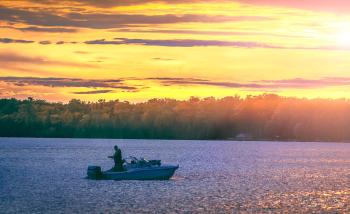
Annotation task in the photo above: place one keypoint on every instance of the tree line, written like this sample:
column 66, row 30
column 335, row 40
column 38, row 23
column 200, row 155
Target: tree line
column 263, row 117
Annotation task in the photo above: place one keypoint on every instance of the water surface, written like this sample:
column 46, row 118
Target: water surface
column 47, row 176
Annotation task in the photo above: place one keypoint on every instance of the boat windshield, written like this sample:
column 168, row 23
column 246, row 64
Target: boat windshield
column 131, row 160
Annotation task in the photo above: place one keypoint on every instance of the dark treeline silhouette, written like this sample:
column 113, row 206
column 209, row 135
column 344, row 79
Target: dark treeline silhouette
column 264, row 117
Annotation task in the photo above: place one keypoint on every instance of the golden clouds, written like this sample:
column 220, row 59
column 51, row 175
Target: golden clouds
column 221, row 42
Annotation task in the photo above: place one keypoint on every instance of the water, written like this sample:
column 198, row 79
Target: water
column 47, row 176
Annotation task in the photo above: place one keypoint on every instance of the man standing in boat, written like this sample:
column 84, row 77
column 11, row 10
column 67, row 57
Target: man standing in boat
column 118, row 161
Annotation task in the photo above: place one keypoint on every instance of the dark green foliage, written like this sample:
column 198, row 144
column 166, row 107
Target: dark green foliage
column 267, row 117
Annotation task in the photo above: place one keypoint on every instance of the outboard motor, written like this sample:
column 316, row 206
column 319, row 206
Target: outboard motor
column 94, row 172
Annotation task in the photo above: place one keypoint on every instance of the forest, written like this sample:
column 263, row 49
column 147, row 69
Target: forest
column 263, row 117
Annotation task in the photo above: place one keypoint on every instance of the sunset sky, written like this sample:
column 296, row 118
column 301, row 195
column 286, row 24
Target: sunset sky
column 137, row 50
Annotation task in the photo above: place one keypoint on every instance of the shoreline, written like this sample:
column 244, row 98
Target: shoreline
column 147, row 139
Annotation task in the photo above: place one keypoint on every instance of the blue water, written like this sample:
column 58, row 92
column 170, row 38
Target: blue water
column 47, row 176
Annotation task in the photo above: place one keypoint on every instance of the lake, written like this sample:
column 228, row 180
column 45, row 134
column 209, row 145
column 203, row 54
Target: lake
column 47, row 176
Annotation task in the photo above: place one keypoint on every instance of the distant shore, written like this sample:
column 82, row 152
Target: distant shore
column 255, row 118
column 149, row 139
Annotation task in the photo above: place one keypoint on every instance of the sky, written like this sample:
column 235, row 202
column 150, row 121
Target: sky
column 135, row 50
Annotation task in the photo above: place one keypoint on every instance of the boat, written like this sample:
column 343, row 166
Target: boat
column 135, row 169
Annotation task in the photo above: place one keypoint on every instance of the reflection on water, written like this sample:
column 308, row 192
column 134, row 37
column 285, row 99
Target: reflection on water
column 47, row 176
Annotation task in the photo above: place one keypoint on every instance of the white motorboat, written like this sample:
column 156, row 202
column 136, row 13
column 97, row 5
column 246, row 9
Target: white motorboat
column 135, row 169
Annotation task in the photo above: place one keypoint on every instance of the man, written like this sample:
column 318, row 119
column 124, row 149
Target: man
column 118, row 161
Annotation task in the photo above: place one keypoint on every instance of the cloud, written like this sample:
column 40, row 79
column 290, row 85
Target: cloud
column 45, row 42
column 180, row 43
column 104, row 21
column 96, row 3
column 117, row 3
column 8, row 58
column 110, row 85
column 296, row 83
column 9, row 40
column 162, row 59
column 93, row 92
column 308, row 83
column 67, row 82
column 314, row 5
column 186, row 43
column 43, row 29
column 170, row 82
column 206, row 43
column 338, row 6
column 174, row 79
column 16, row 58
column 82, row 52
column 206, row 32
column 64, row 42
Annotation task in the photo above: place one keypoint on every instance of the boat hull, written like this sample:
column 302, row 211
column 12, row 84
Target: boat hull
column 147, row 173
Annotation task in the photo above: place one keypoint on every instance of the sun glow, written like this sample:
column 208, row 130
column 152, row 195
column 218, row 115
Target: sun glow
column 342, row 35
column 343, row 38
